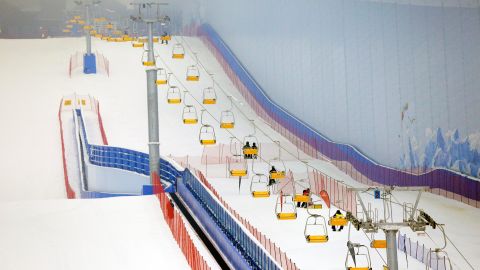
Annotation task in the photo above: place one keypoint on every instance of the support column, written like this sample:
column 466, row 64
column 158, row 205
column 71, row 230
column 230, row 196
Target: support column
column 392, row 259
column 153, row 133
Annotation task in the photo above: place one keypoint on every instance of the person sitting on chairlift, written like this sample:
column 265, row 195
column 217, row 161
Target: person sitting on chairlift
column 254, row 146
column 306, row 192
column 247, row 146
column 337, row 214
column 164, row 39
column 271, row 180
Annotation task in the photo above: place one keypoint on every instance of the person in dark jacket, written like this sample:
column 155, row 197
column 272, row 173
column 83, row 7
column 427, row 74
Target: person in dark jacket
column 271, row 180
column 245, row 147
column 337, row 214
column 254, row 146
column 164, row 38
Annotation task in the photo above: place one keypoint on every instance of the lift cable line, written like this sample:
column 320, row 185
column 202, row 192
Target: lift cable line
column 266, row 135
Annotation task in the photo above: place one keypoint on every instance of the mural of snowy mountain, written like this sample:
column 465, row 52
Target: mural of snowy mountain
column 447, row 150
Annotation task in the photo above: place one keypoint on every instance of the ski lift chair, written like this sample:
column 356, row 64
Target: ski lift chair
column 193, row 74
column 299, row 197
column 280, row 167
column 173, row 95
column 316, row 229
column 338, row 221
column 227, row 119
column 354, row 253
column 145, row 60
column 189, row 115
column 238, row 169
column 259, row 186
column 285, row 208
column 209, row 96
column 250, row 152
column 178, row 52
column 161, row 76
column 207, row 135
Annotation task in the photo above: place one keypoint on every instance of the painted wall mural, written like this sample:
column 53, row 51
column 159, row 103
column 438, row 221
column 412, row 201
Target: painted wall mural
column 396, row 79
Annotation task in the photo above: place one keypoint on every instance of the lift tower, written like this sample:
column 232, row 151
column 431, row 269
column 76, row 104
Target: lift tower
column 89, row 60
column 388, row 225
column 152, row 96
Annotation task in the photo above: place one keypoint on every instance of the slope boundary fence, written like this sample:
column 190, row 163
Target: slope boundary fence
column 347, row 158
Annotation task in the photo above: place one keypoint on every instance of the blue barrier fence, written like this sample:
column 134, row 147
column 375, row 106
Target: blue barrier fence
column 447, row 180
column 240, row 249
column 219, row 220
column 124, row 159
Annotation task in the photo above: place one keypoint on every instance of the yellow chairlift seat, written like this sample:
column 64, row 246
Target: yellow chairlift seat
column 227, row 125
column 142, row 39
column 178, row 52
column 127, row 38
column 93, row 32
column 117, row 32
column 98, row 35
column 190, row 121
column 209, row 101
column 72, row 21
column 378, row 244
column 66, row 31
column 174, row 100
column 208, row 142
column 105, row 38
column 277, row 175
column 261, row 194
column 193, row 78
column 338, row 221
column 110, row 39
column 166, row 38
column 87, row 27
column 286, row 216
column 238, row 172
column 250, row 151
column 317, row 238
column 316, row 206
column 119, row 39
column 109, row 26
column 301, row 198
column 81, row 22
column 137, row 44
column 77, row 17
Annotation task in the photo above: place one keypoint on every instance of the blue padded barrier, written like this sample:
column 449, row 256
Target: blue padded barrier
column 217, row 220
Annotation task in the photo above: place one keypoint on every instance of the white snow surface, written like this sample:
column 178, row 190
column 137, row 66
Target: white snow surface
column 123, row 107
column 116, row 233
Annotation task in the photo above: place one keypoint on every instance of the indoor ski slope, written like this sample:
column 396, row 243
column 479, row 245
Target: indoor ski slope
column 123, row 106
